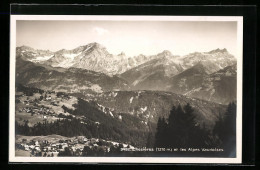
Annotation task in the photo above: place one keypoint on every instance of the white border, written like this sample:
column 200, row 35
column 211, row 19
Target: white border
column 12, row 158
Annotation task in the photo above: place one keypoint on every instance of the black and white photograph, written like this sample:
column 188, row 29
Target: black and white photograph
column 138, row 89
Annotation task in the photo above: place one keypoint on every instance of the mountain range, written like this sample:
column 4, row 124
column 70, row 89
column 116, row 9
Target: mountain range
column 148, row 106
column 92, row 69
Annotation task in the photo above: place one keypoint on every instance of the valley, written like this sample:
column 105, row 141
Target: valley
column 95, row 94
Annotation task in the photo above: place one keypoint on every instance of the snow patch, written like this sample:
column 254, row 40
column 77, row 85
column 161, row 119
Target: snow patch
column 41, row 58
column 192, row 91
column 135, row 82
column 143, row 109
column 96, row 88
column 87, row 48
column 131, row 99
column 114, row 94
column 111, row 114
column 71, row 56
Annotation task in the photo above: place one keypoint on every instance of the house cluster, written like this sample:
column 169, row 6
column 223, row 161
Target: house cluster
column 33, row 106
column 52, row 149
column 40, row 111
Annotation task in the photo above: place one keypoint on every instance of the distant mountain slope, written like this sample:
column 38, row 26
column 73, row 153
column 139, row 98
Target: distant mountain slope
column 89, row 118
column 180, row 74
column 149, row 105
column 200, row 81
column 154, row 74
column 216, row 59
column 220, row 87
column 191, row 78
column 71, row 80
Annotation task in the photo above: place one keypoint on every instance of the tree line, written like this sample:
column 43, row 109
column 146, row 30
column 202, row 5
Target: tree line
column 180, row 129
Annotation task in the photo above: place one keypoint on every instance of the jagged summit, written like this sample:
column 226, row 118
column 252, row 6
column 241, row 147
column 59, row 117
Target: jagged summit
column 24, row 47
column 121, row 54
column 95, row 57
column 163, row 71
column 165, row 53
column 93, row 45
column 224, row 50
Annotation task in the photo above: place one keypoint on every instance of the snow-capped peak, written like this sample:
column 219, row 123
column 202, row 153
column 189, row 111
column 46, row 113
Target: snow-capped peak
column 95, row 57
column 224, row 50
column 165, row 53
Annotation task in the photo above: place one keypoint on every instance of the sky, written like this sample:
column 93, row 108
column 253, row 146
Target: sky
column 131, row 37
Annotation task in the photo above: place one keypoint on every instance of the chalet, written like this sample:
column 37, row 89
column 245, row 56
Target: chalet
column 82, row 139
column 44, row 142
column 94, row 140
column 55, row 153
column 75, row 141
column 32, row 146
column 65, row 145
column 26, row 147
column 115, row 143
column 73, row 148
column 125, row 145
column 34, row 142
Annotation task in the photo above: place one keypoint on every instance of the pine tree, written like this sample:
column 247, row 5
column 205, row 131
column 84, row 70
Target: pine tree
column 175, row 130
column 160, row 137
column 158, row 133
column 181, row 130
column 149, row 142
column 225, row 129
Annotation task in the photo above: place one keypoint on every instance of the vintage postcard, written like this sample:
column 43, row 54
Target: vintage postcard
column 125, row 89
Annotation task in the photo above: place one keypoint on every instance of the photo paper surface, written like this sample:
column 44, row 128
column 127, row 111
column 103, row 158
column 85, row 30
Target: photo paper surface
column 125, row 89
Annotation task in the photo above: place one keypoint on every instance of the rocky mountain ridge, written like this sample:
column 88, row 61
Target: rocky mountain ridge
column 95, row 57
column 92, row 69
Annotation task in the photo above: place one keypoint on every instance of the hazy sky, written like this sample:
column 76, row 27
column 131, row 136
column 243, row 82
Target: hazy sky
column 131, row 37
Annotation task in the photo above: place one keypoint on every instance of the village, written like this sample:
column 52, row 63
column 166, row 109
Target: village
column 55, row 145
column 43, row 106
column 48, row 106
